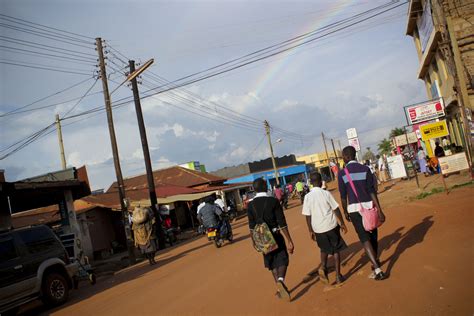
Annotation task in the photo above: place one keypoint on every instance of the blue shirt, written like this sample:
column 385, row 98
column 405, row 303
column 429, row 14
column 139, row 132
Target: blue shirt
column 364, row 184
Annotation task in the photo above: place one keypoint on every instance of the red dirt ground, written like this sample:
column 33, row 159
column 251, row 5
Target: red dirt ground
column 427, row 250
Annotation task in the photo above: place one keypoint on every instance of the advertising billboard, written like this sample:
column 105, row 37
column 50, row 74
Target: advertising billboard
column 425, row 111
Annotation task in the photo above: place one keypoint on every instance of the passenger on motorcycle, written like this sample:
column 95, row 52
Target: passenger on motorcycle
column 210, row 214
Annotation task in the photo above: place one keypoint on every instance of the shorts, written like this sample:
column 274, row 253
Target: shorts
column 331, row 241
column 278, row 257
column 364, row 235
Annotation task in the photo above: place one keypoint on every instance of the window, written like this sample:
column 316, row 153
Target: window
column 37, row 240
column 436, row 71
column 7, row 250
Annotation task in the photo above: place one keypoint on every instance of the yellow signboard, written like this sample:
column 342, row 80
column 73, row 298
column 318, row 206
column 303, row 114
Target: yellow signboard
column 434, row 130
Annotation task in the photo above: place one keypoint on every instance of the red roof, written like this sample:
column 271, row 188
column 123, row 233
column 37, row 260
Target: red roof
column 174, row 176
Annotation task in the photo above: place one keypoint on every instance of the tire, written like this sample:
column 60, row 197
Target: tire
column 217, row 243
column 55, row 289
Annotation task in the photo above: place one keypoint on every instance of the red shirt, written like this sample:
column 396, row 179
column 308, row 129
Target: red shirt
column 278, row 193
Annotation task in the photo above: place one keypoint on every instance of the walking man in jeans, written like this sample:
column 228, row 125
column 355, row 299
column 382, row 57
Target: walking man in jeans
column 364, row 185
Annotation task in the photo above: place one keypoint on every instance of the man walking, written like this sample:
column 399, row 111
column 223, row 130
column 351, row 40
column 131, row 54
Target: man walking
column 382, row 170
column 365, row 197
column 325, row 222
column 267, row 209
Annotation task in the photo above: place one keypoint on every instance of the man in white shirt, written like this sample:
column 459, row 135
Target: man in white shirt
column 325, row 221
column 382, row 170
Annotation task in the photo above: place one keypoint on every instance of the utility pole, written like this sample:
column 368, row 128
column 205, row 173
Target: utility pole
column 267, row 130
column 146, row 155
column 115, row 153
column 60, row 140
column 335, row 153
column 327, row 155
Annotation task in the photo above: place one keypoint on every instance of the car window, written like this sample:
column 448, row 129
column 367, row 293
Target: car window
column 7, row 250
column 37, row 240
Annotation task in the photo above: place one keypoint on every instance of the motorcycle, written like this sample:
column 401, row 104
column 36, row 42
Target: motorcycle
column 170, row 231
column 219, row 234
column 231, row 210
column 303, row 193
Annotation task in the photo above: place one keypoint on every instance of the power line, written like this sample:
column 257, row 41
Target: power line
column 251, row 61
column 43, row 46
column 46, row 97
column 83, row 59
column 253, row 150
column 44, row 26
column 41, row 31
column 51, row 37
column 42, row 65
column 82, row 98
column 45, row 68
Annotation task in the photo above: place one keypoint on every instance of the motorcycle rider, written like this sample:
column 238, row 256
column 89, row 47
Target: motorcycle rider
column 211, row 215
column 225, row 213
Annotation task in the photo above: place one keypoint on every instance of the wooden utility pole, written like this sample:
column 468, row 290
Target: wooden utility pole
column 115, row 153
column 146, row 155
column 327, row 155
column 267, row 130
column 60, row 140
column 335, row 153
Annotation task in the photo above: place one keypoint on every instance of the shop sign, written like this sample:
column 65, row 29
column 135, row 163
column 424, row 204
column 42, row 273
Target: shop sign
column 424, row 111
column 453, row 163
column 401, row 140
column 396, row 167
column 354, row 142
column 351, row 133
column 434, row 130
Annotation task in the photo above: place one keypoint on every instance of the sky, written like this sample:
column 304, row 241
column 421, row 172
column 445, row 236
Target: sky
column 357, row 78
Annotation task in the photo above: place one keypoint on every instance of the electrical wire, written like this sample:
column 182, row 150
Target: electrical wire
column 51, row 37
column 42, row 46
column 83, row 59
column 44, row 26
column 82, row 98
column 45, row 68
column 46, row 97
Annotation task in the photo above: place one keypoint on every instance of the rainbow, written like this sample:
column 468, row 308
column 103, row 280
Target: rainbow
column 273, row 68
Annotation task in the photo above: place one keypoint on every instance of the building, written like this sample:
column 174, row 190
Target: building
column 289, row 170
column 320, row 162
column 443, row 33
column 179, row 189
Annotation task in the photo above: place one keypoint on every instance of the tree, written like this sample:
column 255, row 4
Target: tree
column 369, row 155
column 385, row 146
column 397, row 131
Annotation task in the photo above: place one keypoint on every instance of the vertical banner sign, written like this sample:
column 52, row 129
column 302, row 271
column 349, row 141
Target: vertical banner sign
column 351, row 133
column 354, row 142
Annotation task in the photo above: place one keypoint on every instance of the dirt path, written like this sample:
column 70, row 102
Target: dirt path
column 427, row 251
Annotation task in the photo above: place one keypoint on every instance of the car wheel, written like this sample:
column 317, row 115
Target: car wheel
column 55, row 289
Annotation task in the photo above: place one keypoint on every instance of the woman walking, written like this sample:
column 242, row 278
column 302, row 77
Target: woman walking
column 144, row 232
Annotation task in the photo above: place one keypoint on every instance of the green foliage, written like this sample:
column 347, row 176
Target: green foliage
column 397, row 131
column 428, row 193
column 385, row 146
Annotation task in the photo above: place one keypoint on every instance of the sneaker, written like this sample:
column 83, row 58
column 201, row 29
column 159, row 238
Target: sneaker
column 323, row 276
column 283, row 291
column 380, row 276
column 340, row 279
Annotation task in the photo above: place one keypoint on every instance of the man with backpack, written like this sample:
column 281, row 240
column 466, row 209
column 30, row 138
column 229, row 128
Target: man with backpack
column 357, row 190
column 268, row 226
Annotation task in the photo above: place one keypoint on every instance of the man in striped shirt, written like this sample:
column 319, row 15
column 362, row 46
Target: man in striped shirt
column 366, row 197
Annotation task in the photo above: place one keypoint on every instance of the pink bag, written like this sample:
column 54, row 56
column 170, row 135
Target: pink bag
column 370, row 216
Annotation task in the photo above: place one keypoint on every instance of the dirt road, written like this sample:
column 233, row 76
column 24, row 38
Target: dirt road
column 427, row 251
